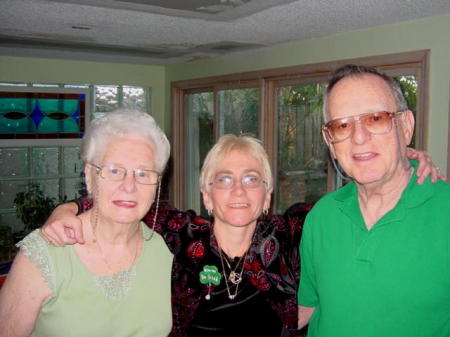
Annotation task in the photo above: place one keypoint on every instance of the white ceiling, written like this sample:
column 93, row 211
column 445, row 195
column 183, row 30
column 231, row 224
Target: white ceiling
column 164, row 32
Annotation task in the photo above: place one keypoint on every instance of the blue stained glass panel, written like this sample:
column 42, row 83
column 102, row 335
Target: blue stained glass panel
column 41, row 115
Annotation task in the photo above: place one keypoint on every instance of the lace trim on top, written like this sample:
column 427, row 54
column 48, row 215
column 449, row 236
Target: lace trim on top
column 118, row 285
column 35, row 248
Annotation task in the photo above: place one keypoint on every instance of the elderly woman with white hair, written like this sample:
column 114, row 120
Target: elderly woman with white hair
column 101, row 287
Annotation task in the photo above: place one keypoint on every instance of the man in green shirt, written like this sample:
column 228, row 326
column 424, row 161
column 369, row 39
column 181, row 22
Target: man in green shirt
column 375, row 254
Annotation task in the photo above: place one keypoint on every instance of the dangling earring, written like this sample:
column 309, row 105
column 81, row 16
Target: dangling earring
column 265, row 212
column 210, row 212
column 157, row 207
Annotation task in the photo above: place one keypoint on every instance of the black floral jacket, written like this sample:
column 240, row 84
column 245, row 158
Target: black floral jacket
column 272, row 264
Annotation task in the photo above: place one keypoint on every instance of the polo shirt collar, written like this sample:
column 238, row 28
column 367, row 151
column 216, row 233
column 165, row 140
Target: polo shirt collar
column 413, row 196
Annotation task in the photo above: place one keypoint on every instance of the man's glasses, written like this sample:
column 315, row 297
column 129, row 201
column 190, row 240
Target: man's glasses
column 377, row 123
column 226, row 182
column 117, row 173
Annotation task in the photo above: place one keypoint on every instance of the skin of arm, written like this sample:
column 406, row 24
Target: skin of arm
column 304, row 315
column 21, row 298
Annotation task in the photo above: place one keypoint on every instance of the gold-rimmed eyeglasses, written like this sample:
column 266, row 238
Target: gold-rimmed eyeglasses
column 117, row 173
column 376, row 123
column 226, row 182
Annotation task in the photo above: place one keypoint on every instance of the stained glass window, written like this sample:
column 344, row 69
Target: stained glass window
column 34, row 115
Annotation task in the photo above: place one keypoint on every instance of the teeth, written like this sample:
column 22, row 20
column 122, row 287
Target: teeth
column 129, row 203
column 363, row 155
column 238, row 205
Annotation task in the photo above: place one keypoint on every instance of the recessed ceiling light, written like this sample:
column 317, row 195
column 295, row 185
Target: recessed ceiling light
column 81, row 27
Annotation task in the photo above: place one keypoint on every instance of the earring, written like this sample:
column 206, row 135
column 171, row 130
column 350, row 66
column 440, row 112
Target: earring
column 210, row 212
column 265, row 212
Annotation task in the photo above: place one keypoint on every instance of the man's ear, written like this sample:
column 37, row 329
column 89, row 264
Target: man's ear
column 329, row 144
column 408, row 123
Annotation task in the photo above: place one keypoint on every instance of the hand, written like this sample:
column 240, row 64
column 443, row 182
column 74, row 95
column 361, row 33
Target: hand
column 426, row 166
column 63, row 227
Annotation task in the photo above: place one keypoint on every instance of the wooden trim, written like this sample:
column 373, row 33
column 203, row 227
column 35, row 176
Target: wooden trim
column 416, row 62
column 309, row 70
column 176, row 188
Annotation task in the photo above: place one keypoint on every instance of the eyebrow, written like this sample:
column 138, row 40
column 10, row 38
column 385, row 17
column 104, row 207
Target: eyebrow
column 232, row 173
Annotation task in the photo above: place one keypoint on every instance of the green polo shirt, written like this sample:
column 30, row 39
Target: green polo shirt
column 391, row 281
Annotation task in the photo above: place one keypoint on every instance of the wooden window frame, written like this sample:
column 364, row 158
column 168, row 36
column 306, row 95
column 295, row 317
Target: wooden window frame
column 415, row 62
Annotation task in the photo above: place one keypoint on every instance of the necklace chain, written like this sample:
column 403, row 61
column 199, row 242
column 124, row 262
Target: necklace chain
column 102, row 253
column 233, row 277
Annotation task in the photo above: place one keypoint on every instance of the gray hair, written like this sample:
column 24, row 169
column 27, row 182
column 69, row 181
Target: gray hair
column 227, row 143
column 121, row 123
column 352, row 70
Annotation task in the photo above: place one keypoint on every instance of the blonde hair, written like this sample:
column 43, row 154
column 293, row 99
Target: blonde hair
column 224, row 146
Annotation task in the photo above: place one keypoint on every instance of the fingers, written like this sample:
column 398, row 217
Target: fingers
column 58, row 233
column 44, row 236
column 436, row 174
column 75, row 232
column 425, row 167
column 412, row 153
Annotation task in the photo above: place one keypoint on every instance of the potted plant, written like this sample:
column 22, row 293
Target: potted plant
column 33, row 207
column 7, row 244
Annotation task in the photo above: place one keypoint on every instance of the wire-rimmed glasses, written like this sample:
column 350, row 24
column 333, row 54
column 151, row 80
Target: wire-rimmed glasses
column 117, row 173
column 376, row 123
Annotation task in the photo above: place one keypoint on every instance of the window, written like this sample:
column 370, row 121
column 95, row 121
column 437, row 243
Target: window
column 237, row 113
column 302, row 156
column 283, row 107
column 55, row 165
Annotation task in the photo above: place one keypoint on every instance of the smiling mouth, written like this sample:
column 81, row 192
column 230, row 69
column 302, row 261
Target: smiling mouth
column 364, row 156
column 238, row 205
column 125, row 203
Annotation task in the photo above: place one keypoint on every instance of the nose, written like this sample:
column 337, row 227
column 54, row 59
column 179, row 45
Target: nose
column 238, row 188
column 360, row 135
column 129, row 182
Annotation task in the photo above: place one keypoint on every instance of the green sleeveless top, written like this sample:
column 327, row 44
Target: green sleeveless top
column 135, row 302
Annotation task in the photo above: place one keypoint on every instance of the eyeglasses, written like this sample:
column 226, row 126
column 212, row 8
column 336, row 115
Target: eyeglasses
column 377, row 123
column 226, row 182
column 117, row 173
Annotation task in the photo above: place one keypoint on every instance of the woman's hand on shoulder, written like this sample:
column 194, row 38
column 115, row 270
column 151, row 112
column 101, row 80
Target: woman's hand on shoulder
column 63, row 227
column 426, row 166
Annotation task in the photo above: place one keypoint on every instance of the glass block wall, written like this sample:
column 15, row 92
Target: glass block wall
column 57, row 169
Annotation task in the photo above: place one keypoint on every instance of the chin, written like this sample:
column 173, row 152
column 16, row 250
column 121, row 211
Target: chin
column 242, row 222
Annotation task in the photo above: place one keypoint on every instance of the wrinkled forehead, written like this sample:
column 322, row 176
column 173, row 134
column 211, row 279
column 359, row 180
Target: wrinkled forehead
column 356, row 95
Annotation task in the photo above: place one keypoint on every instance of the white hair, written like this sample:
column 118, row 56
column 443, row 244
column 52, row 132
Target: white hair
column 121, row 123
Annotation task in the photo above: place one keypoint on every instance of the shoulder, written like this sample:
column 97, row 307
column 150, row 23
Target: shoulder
column 35, row 251
column 442, row 189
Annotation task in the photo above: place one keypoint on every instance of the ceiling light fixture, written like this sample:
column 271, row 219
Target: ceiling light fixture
column 81, row 27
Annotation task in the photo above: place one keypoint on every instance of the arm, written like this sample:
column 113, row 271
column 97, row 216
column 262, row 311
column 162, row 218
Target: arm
column 426, row 166
column 21, row 298
column 304, row 315
column 63, row 226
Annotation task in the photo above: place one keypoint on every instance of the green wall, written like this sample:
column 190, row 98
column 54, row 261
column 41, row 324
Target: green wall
column 432, row 34
column 18, row 69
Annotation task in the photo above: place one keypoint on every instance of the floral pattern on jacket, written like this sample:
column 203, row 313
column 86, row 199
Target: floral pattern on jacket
column 272, row 264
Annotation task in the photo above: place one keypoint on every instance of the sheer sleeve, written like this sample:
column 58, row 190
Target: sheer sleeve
column 36, row 249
